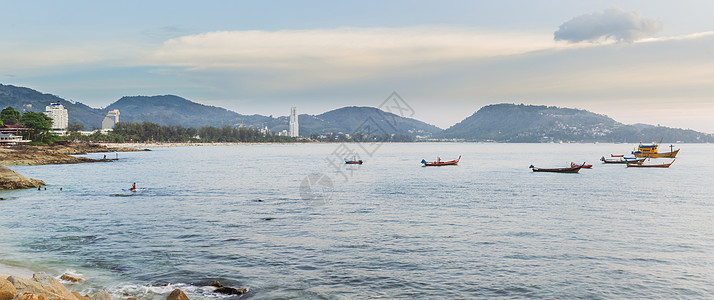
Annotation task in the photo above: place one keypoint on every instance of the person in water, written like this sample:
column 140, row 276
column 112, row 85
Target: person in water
column 133, row 187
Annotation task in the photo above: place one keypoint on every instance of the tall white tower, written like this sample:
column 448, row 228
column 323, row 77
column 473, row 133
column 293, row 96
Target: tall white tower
column 294, row 128
column 59, row 116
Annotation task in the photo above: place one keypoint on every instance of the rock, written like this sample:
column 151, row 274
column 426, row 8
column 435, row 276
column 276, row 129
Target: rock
column 101, row 295
column 52, row 285
column 216, row 284
column 230, row 291
column 27, row 296
column 177, row 295
column 79, row 296
column 11, row 180
column 7, row 290
column 132, row 298
column 26, row 285
column 70, row 278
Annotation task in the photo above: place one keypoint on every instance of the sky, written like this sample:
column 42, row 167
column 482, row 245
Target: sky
column 636, row 61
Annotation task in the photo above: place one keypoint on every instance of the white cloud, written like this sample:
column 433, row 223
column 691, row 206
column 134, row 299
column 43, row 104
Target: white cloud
column 615, row 23
column 339, row 55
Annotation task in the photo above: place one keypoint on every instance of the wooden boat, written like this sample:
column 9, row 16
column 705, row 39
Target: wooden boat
column 575, row 169
column 441, row 163
column 621, row 159
column 643, row 165
column 584, row 166
column 617, row 155
column 651, row 151
column 613, row 160
column 353, row 162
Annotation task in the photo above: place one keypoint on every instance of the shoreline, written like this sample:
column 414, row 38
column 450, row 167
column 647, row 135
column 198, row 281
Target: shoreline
column 8, row 270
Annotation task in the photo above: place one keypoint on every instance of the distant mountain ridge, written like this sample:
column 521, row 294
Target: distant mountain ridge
column 496, row 122
column 175, row 110
column 537, row 124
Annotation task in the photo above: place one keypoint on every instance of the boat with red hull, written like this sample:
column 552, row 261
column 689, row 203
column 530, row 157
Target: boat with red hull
column 644, row 165
column 441, row 163
column 572, row 165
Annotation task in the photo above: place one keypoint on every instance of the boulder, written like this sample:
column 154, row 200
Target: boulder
column 7, row 290
column 52, row 285
column 177, row 295
column 71, row 278
column 28, row 296
column 101, row 295
column 79, row 296
column 230, row 291
column 11, row 180
column 216, row 284
column 26, row 285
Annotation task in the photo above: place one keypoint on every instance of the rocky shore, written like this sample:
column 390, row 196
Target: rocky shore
column 11, row 180
column 55, row 154
column 45, row 287
column 46, row 155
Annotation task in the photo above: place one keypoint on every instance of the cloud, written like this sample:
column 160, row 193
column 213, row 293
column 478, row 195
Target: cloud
column 297, row 60
column 615, row 23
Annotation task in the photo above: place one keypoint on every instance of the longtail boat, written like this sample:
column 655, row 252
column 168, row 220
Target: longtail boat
column 613, row 160
column 575, row 169
column 438, row 162
column 643, row 165
column 621, row 160
column 584, row 166
column 353, row 162
column 617, row 155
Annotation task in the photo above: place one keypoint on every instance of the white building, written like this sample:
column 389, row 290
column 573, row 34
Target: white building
column 110, row 120
column 294, row 128
column 59, row 115
column 11, row 139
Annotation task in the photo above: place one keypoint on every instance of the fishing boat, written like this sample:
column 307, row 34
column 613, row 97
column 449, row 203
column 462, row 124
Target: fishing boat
column 353, row 162
column 632, row 160
column 438, row 162
column 613, row 160
column 575, row 169
column 651, row 151
column 621, row 159
column 644, row 165
column 585, row 166
column 617, row 155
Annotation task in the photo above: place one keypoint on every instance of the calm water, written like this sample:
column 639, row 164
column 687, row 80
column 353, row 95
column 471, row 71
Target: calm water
column 392, row 229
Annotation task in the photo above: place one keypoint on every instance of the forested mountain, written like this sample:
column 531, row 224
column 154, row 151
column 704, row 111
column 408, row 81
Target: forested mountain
column 353, row 118
column 534, row 124
column 497, row 122
column 25, row 99
column 174, row 110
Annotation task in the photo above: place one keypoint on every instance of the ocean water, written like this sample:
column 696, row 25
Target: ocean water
column 253, row 216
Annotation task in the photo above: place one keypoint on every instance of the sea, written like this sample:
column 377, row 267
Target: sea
column 292, row 221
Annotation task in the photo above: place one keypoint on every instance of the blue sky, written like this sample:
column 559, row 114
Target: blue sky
column 636, row 61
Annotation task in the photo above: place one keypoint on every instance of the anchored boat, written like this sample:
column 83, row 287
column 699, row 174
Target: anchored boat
column 648, row 165
column 575, row 169
column 651, row 151
column 438, row 162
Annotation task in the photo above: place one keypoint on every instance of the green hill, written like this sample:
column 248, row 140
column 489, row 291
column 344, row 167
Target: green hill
column 25, row 99
column 535, row 124
column 172, row 110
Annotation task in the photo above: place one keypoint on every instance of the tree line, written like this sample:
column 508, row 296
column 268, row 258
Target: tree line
column 146, row 131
